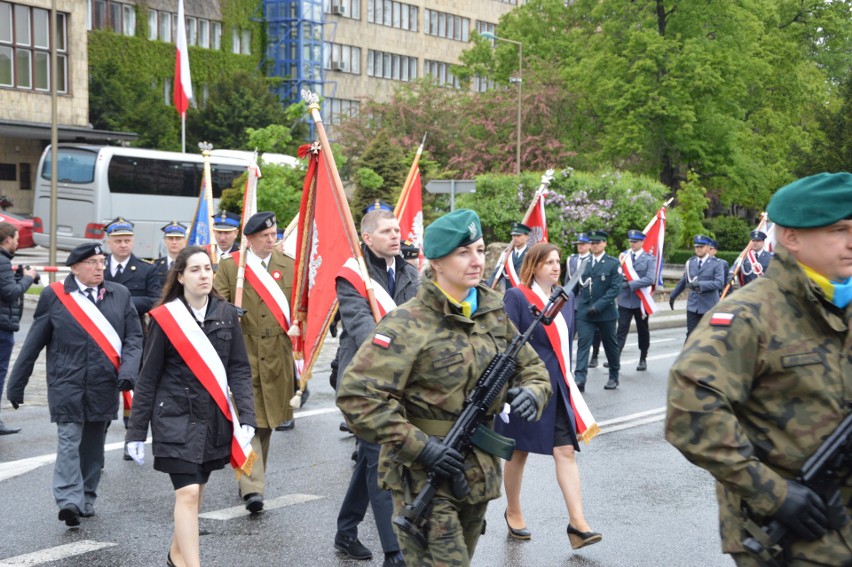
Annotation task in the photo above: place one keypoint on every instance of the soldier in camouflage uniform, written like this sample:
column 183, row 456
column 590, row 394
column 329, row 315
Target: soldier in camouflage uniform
column 408, row 382
column 766, row 376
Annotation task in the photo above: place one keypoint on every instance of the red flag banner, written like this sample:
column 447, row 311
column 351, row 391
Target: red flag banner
column 410, row 215
column 183, row 81
column 655, row 239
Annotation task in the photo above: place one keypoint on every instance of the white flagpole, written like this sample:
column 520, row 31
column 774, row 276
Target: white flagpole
column 183, row 132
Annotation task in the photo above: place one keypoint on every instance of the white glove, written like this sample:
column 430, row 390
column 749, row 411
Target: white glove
column 136, row 450
column 248, row 429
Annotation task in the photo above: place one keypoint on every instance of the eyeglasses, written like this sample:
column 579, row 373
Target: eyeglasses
column 94, row 263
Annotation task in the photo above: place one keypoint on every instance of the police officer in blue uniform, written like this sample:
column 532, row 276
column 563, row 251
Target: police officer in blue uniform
column 751, row 273
column 705, row 278
column 629, row 304
column 124, row 268
column 712, row 248
column 599, row 287
column 226, row 226
column 174, row 238
column 520, row 236
column 572, row 264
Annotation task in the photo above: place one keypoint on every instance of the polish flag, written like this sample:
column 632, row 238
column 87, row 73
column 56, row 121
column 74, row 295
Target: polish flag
column 183, row 81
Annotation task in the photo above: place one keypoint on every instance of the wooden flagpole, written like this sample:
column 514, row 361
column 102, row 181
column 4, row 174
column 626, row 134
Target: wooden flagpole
column 248, row 197
column 208, row 193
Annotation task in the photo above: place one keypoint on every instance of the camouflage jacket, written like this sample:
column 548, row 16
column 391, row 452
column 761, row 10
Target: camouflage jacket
column 419, row 364
column 761, row 382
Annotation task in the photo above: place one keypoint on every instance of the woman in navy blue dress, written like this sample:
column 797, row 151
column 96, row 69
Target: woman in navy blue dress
column 556, row 433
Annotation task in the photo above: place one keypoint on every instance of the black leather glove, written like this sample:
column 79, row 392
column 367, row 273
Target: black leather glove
column 523, row 403
column 125, row 385
column 441, row 459
column 592, row 311
column 836, row 510
column 803, row 512
column 16, row 403
column 695, row 287
column 671, row 302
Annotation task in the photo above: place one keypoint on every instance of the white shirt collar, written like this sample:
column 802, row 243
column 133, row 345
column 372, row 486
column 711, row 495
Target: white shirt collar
column 637, row 254
column 83, row 287
column 266, row 259
column 200, row 313
column 598, row 258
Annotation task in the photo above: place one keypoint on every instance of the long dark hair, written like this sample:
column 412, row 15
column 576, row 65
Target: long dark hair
column 173, row 288
column 535, row 257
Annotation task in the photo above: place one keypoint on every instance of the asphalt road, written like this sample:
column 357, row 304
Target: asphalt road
column 652, row 507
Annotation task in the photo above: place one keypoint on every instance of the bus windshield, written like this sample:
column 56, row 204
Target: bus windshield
column 75, row 165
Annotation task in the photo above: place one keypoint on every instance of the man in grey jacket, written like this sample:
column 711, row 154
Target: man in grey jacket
column 643, row 267
column 13, row 284
column 395, row 282
column 705, row 278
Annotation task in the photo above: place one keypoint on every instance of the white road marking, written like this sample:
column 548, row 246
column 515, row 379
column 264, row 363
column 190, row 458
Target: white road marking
column 240, row 511
column 55, row 553
column 653, row 342
column 632, row 424
column 655, row 357
column 632, row 416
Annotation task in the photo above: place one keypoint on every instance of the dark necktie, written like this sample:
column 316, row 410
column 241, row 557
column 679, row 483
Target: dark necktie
column 263, row 263
column 391, row 281
column 118, row 271
column 632, row 257
column 699, row 263
column 90, row 294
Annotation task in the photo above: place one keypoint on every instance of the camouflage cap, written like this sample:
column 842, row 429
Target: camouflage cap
column 458, row 228
column 812, row 202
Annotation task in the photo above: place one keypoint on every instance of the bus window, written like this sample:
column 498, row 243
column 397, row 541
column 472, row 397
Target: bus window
column 75, row 165
column 145, row 176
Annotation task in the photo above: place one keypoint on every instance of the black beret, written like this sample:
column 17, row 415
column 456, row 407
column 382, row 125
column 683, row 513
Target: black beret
column 83, row 252
column 458, row 228
column 812, row 202
column 259, row 222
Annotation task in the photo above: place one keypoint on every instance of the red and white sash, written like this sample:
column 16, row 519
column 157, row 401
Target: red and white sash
column 352, row 274
column 756, row 266
column 88, row 316
column 509, row 268
column 646, row 299
column 203, row 361
column 266, row 287
column 560, row 341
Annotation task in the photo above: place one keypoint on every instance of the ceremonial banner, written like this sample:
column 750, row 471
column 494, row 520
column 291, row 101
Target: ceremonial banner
column 655, row 238
column 409, row 208
column 183, row 80
column 199, row 232
column 737, row 268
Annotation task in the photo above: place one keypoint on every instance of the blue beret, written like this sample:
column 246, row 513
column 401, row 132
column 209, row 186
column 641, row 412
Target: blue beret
column 377, row 206
column 812, row 202
column 84, row 251
column 458, row 228
column 226, row 220
column 757, row 235
column 598, row 236
column 259, row 222
column 702, row 240
column 635, row 235
column 582, row 238
column 119, row 226
column 520, row 228
column 174, row 228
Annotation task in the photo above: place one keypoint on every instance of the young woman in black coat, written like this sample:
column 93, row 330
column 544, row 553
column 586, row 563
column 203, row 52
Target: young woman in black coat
column 192, row 436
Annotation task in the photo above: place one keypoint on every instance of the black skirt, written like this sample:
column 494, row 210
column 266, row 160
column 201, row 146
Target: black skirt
column 183, row 473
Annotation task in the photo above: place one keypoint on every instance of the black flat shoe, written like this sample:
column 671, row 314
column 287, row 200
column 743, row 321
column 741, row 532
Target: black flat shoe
column 580, row 539
column 522, row 533
column 169, row 562
column 70, row 514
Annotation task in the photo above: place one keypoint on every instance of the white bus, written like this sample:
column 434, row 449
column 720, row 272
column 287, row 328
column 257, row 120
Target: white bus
column 147, row 187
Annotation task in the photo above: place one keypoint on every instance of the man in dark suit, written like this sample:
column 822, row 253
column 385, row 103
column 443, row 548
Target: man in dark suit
column 174, row 238
column 124, row 268
column 596, row 310
column 751, row 273
column 704, row 277
column 520, row 236
column 572, row 264
column 643, row 265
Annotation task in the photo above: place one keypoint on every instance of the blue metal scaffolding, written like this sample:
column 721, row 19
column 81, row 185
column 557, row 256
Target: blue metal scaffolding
column 294, row 49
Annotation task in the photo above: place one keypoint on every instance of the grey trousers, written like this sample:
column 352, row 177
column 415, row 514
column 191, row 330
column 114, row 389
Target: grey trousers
column 79, row 460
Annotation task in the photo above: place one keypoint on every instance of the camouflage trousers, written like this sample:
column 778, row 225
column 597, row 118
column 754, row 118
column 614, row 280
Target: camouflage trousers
column 832, row 550
column 453, row 531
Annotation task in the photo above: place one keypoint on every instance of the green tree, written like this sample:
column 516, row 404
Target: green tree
column 380, row 175
column 236, row 102
column 692, row 201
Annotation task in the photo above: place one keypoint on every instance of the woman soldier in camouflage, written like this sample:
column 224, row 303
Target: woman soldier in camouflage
column 407, row 385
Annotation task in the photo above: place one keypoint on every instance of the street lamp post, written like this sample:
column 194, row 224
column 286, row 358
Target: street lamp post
column 518, row 80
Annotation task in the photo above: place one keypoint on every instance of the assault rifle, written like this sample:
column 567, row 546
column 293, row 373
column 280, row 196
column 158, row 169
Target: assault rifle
column 821, row 473
column 470, row 426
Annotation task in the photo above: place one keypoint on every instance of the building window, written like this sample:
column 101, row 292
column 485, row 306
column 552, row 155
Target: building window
column 164, row 30
column 512, row 2
column 486, row 27
column 7, row 172
column 482, row 84
column 441, row 72
column 129, row 20
column 25, row 48
column 343, row 8
column 450, row 26
column 391, row 66
column 108, row 15
column 191, row 31
column 25, row 177
column 152, row 25
column 392, row 14
column 336, row 109
column 245, row 44
column 216, row 36
column 203, row 33
column 343, row 58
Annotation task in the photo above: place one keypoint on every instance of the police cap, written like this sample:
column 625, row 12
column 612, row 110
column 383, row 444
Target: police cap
column 226, row 220
column 635, row 235
column 582, row 238
column 757, row 235
column 812, row 202
column 598, row 236
column 83, row 252
column 520, row 228
column 714, row 243
column 702, row 240
column 174, row 228
column 118, row 227
column 377, row 206
column 458, row 228
column 259, row 222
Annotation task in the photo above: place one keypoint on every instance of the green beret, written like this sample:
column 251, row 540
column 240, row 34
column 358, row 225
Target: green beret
column 458, row 228
column 812, row 202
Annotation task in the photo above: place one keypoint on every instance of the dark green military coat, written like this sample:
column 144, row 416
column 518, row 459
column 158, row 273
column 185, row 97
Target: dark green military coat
column 420, row 363
column 269, row 348
column 751, row 400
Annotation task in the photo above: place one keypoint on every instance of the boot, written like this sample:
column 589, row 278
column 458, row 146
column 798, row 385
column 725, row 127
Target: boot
column 642, row 364
column 593, row 362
